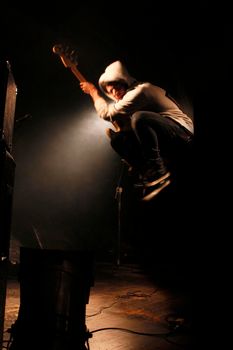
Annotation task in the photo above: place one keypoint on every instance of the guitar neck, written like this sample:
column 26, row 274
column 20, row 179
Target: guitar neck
column 78, row 75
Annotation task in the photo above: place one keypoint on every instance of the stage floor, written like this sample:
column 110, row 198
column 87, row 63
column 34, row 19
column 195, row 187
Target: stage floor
column 130, row 308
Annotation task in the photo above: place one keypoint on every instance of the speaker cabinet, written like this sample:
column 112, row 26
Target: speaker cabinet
column 7, row 171
column 8, row 92
column 7, row 174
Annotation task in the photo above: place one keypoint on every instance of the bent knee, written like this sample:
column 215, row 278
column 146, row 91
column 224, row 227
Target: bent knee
column 136, row 118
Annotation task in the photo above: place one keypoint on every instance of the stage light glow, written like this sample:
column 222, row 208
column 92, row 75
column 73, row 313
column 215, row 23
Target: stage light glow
column 67, row 168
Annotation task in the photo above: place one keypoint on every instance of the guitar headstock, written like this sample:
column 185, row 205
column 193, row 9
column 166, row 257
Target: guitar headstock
column 67, row 55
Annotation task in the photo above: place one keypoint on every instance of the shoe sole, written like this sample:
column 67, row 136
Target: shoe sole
column 162, row 178
column 154, row 193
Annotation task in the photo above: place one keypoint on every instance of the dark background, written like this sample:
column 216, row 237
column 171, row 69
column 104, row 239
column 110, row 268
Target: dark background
column 66, row 173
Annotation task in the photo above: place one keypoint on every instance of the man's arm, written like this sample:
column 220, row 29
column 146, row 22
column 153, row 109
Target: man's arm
column 100, row 104
column 103, row 109
column 90, row 89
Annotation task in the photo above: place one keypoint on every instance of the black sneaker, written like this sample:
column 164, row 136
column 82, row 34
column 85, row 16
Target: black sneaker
column 156, row 179
column 152, row 191
column 154, row 172
column 152, row 179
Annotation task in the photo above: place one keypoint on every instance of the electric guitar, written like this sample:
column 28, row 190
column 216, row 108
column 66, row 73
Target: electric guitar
column 68, row 57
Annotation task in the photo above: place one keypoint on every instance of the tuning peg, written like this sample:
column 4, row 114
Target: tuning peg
column 57, row 48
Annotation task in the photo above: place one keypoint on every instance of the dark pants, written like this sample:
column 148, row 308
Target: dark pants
column 126, row 144
column 152, row 136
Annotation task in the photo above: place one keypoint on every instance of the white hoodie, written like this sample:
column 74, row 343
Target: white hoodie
column 139, row 97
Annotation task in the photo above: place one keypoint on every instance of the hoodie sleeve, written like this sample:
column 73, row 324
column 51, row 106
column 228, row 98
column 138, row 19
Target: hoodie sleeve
column 133, row 101
column 104, row 109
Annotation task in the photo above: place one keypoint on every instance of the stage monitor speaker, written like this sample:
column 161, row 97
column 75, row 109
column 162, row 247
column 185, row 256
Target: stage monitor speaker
column 8, row 92
column 54, row 290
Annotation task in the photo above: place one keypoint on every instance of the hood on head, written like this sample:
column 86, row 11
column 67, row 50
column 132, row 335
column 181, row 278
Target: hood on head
column 115, row 72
